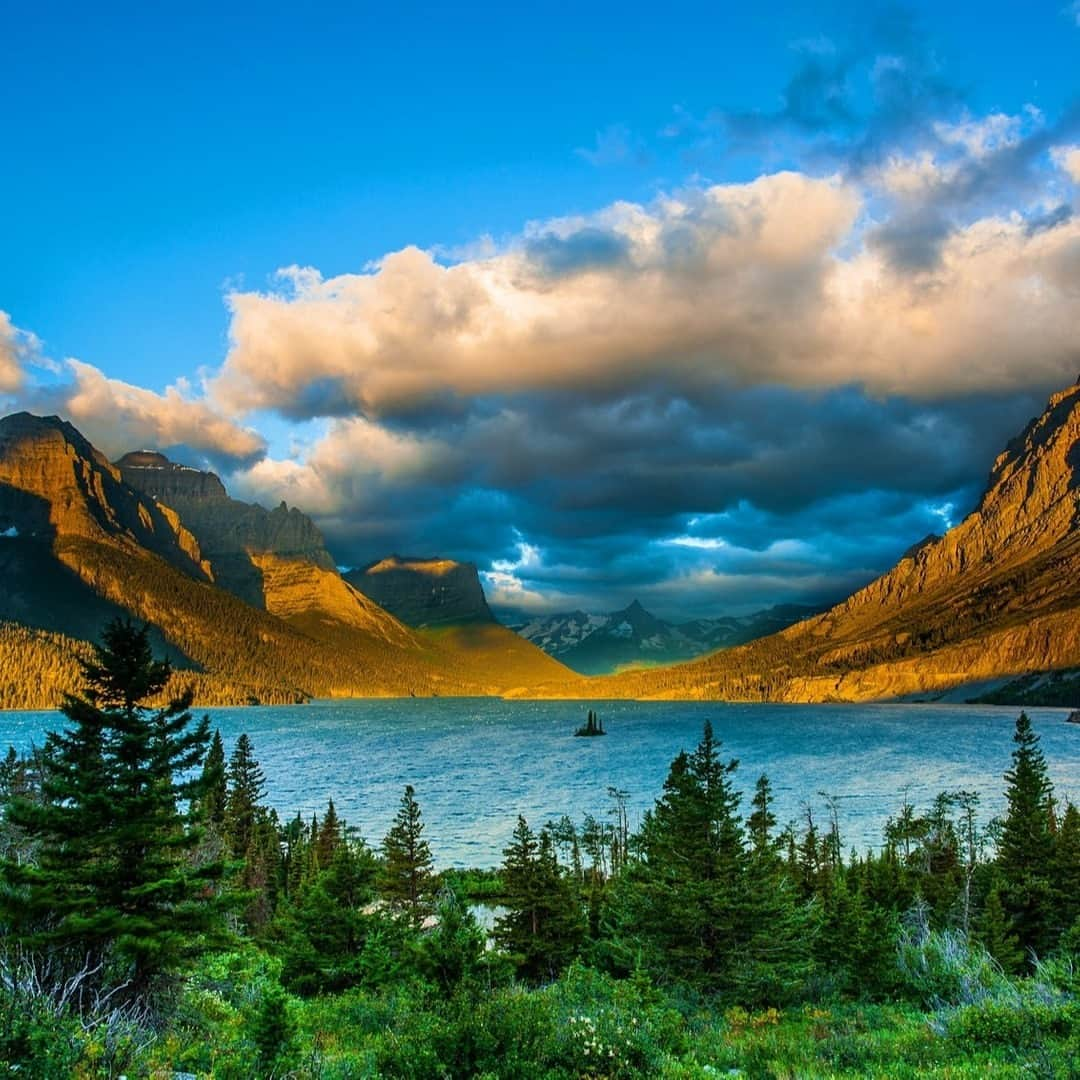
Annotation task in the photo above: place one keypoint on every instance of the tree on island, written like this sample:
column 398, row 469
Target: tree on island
column 114, row 889
column 593, row 725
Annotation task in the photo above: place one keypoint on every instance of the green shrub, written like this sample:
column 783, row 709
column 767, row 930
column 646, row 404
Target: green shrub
column 1015, row 1024
column 942, row 968
column 35, row 1042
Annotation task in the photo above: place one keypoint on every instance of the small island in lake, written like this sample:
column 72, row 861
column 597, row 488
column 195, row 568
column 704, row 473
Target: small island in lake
column 593, row 726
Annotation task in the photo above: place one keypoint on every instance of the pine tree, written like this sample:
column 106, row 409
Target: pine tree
column 113, row 877
column 323, row 929
column 995, row 931
column 408, row 870
column 1026, row 845
column 452, row 956
column 543, row 926
column 215, row 791
column 776, row 959
column 760, row 823
column 246, row 785
column 1066, row 877
column 329, row 835
column 685, row 901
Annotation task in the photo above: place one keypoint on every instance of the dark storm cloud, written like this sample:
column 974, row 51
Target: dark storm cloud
column 738, row 498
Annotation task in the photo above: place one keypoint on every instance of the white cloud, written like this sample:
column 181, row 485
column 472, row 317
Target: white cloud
column 13, row 343
column 1067, row 158
column 984, row 135
column 117, row 416
column 506, row 583
column 352, row 466
column 757, row 283
column 913, row 176
column 687, row 285
column 702, row 543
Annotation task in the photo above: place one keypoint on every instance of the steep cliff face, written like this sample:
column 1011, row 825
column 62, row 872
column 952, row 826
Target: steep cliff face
column 54, row 485
column 230, row 532
column 298, row 590
column 1031, row 505
column 999, row 595
column 424, row 592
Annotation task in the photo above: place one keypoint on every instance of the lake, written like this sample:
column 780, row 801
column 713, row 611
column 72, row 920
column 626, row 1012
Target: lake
column 478, row 763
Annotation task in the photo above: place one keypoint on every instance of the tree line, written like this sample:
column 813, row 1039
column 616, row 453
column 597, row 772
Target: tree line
column 133, row 845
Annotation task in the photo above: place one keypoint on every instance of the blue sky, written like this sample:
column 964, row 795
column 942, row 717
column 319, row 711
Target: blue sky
column 161, row 168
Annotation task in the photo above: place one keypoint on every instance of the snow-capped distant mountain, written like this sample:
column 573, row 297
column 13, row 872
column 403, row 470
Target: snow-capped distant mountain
column 600, row 644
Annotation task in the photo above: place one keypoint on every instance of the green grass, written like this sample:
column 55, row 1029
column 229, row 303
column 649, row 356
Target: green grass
column 231, row 1021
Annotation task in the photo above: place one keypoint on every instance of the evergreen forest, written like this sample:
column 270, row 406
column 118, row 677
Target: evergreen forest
column 159, row 919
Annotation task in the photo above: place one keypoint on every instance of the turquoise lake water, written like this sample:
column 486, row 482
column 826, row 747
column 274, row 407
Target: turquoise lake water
column 478, row 763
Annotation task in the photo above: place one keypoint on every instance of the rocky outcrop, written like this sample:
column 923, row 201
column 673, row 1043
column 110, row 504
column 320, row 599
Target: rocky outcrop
column 54, row 484
column 424, row 592
column 230, row 532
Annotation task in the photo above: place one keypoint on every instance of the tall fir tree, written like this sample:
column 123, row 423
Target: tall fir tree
column 1066, row 877
column 994, row 929
column 543, row 926
column 684, row 902
column 407, row 874
column 114, row 880
column 329, row 835
column 1026, row 844
column 776, row 959
column 214, row 785
column 246, row 786
column 762, row 820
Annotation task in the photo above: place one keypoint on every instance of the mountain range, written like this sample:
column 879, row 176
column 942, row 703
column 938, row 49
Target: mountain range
column 249, row 606
column 634, row 637
column 246, row 602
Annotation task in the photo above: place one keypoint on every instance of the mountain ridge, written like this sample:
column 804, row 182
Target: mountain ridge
column 424, row 592
column 997, row 596
column 601, row 644
column 78, row 545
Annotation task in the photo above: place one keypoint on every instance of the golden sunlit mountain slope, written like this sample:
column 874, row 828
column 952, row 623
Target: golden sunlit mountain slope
column 277, row 560
column 997, row 596
column 77, row 544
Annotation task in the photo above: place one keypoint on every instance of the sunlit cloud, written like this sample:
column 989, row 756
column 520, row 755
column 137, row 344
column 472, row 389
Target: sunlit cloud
column 765, row 282
column 118, row 416
column 11, row 373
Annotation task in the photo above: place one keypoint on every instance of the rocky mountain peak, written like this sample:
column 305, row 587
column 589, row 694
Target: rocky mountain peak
column 424, row 592
column 230, row 532
column 1031, row 503
column 153, row 473
column 54, row 483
